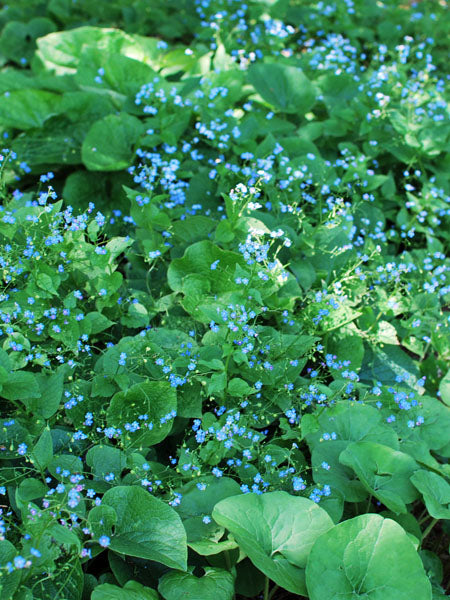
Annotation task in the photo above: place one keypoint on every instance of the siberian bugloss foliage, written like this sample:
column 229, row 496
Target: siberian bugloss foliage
column 224, row 303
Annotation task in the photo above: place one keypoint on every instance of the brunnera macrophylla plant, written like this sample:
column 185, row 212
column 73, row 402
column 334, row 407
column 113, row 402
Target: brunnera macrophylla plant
column 224, row 349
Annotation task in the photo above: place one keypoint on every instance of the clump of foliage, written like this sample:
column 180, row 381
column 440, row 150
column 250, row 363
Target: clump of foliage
column 224, row 304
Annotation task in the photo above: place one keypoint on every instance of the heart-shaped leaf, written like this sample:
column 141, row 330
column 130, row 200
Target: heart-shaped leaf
column 367, row 557
column 146, row 527
column 435, row 491
column 109, row 143
column 284, row 87
column 276, row 531
column 216, row 584
column 384, row 472
column 350, row 422
column 132, row 590
column 156, row 399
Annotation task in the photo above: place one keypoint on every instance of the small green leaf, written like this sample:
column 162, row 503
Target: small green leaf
column 97, row 322
column 51, row 388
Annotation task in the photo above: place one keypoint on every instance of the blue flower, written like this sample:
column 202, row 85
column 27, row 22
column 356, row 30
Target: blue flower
column 104, row 541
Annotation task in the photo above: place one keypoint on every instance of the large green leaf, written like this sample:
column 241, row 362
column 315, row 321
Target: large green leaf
column 276, row 531
column 42, row 452
column 337, row 476
column 384, row 472
column 146, row 527
column 17, row 40
column 385, row 364
column 351, row 422
column 366, row 558
column 51, row 388
column 61, row 51
column 110, row 142
column 433, row 431
column 284, row 87
column 215, row 584
column 200, row 501
column 155, row 399
column 122, row 74
column 104, row 460
column 20, row 385
column 435, row 491
column 25, row 109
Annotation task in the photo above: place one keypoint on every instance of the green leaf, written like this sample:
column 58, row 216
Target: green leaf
column 444, row 388
column 20, row 385
column 106, row 459
column 435, row 491
column 215, row 584
column 434, row 430
column 97, row 322
column 276, row 531
column 198, row 259
column 25, row 109
column 366, row 557
column 384, row 364
column 30, row 489
column 146, row 527
column 154, row 398
column 132, row 590
column 61, row 51
column 67, row 588
column 101, row 520
column 42, row 452
column 122, row 74
column 109, row 144
column 201, row 502
column 384, row 472
column 51, row 388
column 351, row 422
column 284, row 87
column 239, row 388
column 205, row 538
column 5, row 361
column 304, row 272
column 347, row 344
column 9, row 582
column 64, row 536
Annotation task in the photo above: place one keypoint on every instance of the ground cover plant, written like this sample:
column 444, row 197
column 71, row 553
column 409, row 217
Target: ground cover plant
column 225, row 300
